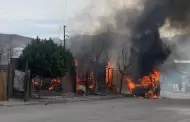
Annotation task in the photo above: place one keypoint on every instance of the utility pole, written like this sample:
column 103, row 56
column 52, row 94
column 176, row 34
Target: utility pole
column 64, row 36
column 64, row 39
column 26, row 84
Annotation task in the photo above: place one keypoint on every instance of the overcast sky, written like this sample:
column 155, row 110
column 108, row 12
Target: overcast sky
column 33, row 18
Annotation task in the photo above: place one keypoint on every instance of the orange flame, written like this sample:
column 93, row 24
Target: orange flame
column 91, row 86
column 92, row 81
column 77, row 78
column 81, row 81
column 53, row 84
column 152, row 80
column 109, row 72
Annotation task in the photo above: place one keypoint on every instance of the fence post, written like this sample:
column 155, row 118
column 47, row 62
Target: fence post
column 30, row 84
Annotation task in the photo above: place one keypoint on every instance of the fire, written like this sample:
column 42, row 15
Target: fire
column 92, row 81
column 53, row 84
column 77, row 78
column 109, row 72
column 131, row 85
column 151, row 81
column 81, row 81
column 35, row 83
column 77, row 83
column 90, row 78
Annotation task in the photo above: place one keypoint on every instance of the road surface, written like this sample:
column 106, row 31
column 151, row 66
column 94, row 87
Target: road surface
column 118, row 110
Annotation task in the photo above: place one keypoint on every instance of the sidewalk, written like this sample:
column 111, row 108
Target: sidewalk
column 174, row 95
column 57, row 99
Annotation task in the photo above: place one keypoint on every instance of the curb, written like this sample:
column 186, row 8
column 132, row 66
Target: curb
column 80, row 100
column 43, row 102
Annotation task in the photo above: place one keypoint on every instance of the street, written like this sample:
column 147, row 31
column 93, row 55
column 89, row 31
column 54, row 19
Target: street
column 118, row 110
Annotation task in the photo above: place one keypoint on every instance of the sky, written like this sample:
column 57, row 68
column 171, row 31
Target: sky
column 43, row 18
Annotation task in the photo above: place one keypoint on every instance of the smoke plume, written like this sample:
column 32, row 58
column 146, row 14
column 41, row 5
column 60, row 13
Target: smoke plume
column 148, row 48
column 135, row 22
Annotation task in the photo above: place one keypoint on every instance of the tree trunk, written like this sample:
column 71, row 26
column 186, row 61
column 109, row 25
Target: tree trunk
column 121, row 84
column 96, row 87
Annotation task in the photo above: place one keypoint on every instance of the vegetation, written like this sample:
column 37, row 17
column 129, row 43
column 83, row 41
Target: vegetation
column 47, row 59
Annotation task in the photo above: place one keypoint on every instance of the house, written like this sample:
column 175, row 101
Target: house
column 177, row 78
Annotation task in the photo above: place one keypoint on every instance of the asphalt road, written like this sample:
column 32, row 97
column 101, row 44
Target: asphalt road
column 118, row 110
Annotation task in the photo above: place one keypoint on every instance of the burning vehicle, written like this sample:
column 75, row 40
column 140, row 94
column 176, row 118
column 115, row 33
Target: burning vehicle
column 143, row 80
column 148, row 86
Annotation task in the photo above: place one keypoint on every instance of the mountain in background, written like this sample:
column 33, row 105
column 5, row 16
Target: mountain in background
column 11, row 44
column 7, row 44
column 13, row 40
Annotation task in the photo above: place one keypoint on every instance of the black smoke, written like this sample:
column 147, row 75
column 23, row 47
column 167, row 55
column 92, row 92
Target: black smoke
column 148, row 50
column 177, row 11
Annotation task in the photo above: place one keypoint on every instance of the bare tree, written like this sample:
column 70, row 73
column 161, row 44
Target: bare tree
column 99, row 50
column 95, row 52
column 123, row 63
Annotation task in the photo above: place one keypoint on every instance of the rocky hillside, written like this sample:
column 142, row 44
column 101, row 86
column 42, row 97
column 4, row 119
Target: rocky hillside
column 8, row 42
column 13, row 40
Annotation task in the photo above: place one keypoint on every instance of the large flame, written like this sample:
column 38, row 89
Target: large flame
column 92, row 81
column 77, row 77
column 151, row 81
column 109, row 73
column 91, row 78
column 54, row 83
column 80, row 81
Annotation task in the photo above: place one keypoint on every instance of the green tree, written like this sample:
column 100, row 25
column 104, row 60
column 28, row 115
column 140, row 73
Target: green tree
column 47, row 59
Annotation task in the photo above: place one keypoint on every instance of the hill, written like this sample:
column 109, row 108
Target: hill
column 13, row 40
column 8, row 42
